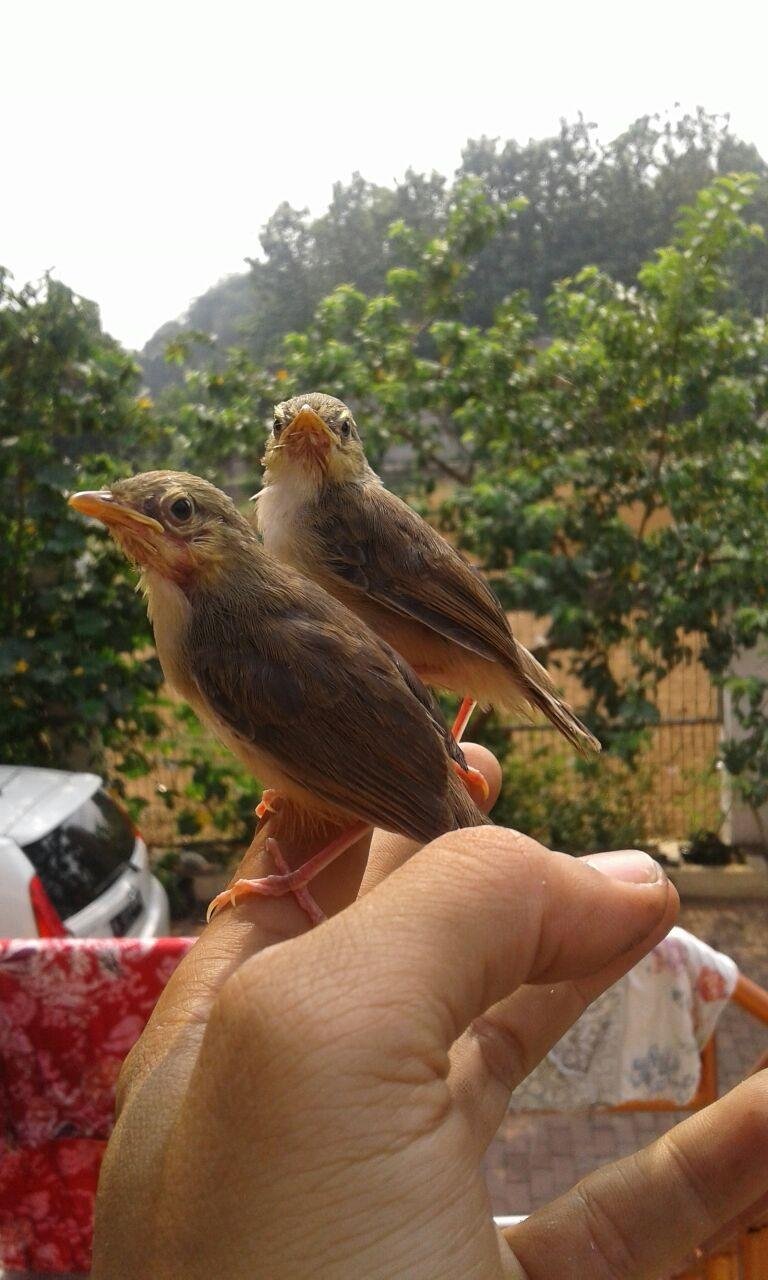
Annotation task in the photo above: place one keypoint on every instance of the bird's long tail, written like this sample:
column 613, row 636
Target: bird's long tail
column 535, row 683
column 560, row 715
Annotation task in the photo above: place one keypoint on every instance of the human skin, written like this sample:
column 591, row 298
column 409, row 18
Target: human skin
column 318, row 1103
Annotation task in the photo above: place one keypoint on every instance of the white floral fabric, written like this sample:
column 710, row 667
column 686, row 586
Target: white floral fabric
column 641, row 1040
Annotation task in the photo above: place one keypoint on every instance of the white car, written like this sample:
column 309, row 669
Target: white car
column 71, row 861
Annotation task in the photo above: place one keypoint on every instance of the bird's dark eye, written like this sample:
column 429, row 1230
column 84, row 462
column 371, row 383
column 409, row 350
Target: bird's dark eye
column 181, row 509
column 346, row 428
column 277, row 427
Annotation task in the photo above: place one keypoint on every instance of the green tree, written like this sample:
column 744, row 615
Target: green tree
column 627, row 503
column 395, row 354
column 611, row 479
column 588, row 203
column 71, row 683
column 605, row 205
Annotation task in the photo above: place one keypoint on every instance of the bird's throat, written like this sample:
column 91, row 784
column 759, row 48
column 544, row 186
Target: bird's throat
column 169, row 612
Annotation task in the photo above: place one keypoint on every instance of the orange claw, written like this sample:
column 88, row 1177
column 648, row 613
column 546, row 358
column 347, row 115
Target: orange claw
column 227, row 898
column 474, row 781
column 267, row 803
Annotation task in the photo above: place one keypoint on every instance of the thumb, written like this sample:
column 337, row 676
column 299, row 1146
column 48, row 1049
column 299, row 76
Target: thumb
column 461, row 926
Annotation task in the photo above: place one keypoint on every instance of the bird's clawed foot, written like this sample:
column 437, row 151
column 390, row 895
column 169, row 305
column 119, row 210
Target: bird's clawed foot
column 274, row 886
column 475, row 782
column 288, row 881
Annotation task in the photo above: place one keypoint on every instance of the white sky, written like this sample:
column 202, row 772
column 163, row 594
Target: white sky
column 145, row 144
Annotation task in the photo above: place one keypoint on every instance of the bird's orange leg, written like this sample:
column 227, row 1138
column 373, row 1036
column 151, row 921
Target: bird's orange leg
column 474, row 781
column 431, row 675
column 268, row 804
column 303, row 896
column 463, row 716
column 288, row 881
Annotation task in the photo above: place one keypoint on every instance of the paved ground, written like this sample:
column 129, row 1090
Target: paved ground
column 535, row 1158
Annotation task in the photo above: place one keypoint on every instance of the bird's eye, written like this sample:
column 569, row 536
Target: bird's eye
column 181, row 509
column 346, row 428
column 277, row 427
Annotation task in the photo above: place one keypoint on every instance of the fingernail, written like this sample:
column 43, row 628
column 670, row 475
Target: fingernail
column 630, row 865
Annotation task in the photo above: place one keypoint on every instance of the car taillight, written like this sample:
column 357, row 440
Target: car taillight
column 47, row 918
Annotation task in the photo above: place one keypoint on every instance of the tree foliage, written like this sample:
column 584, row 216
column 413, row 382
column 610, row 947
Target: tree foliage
column 71, row 685
column 607, row 205
column 626, row 502
column 610, row 478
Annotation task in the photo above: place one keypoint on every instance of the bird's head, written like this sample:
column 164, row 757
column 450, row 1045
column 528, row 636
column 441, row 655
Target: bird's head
column 314, row 436
column 168, row 521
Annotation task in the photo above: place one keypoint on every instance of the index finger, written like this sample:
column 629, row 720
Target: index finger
column 232, row 937
column 640, row 1216
column 180, row 1016
column 461, row 926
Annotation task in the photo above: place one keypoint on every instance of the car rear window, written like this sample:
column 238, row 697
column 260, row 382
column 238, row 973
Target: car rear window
column 81, row 857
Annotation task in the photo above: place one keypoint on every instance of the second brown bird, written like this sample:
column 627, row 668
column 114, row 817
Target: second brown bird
column 324, row 511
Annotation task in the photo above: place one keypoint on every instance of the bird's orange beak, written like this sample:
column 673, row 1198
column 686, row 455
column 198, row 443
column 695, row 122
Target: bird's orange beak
column 100, row 504
column 308, row 437
column 137, row 534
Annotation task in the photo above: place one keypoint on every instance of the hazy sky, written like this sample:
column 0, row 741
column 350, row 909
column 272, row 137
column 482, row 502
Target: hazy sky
column 145, row 144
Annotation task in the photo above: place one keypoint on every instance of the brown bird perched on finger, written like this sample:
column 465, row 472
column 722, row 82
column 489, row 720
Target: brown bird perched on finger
column 324, row 511
column 312, row 702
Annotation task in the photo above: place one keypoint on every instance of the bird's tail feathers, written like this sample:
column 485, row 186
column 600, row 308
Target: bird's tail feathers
column 539, row 692
column 560, row 715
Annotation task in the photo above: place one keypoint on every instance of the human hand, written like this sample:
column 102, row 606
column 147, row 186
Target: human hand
column 318, row 1103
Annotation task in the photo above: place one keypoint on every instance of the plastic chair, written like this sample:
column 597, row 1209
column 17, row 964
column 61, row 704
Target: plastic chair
column 746, row 1257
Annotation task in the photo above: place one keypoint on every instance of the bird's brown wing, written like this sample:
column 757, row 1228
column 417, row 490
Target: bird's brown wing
column 330, row 704
column 376, row 544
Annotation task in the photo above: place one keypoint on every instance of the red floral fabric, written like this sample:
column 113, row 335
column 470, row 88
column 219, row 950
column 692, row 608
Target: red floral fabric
column 70, row 1010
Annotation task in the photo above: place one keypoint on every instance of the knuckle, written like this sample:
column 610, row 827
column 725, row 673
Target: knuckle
column 256, row 994
column 611, row 1250
column 252, row 1012
column 282, row 1000
column 696, row 1193
column 474, row 849
column 755, row 1111
column 504, row 1050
